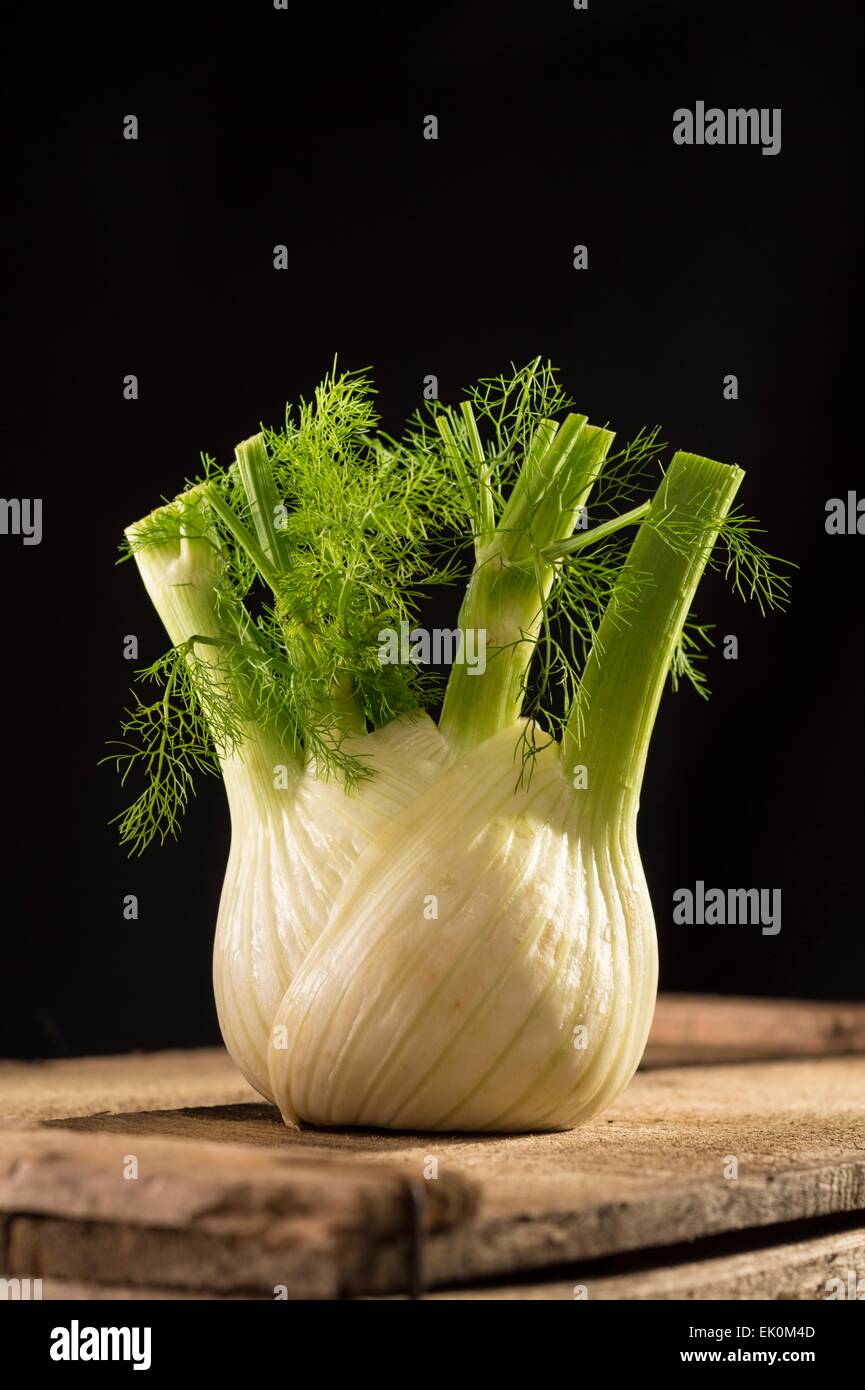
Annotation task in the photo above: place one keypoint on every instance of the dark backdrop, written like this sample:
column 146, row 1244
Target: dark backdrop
column 451, row 257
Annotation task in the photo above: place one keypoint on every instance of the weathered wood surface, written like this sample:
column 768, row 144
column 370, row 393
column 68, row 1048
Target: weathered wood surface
column 229, row 1203
column 241, row 1218
column 692, row 1029
column 802, row 1269
column 827, row 1266
column 229, row 1195
column 134, row 1081
column 686, row 1029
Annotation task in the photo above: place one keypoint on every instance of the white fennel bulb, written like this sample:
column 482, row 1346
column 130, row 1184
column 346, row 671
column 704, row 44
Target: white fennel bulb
column 498, row 978
column 292, row 849
column 429, row 926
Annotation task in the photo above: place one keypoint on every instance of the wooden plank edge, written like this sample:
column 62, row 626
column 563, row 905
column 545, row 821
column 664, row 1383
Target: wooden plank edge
column 689, row 1029
column 826, row 1267
column 218, row 1188
column 486, row 1249
column 316, row 1259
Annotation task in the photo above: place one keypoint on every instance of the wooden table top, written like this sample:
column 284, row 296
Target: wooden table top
column 165, row 1175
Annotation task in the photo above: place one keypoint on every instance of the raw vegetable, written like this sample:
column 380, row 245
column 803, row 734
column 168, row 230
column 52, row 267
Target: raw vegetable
column 430, row 926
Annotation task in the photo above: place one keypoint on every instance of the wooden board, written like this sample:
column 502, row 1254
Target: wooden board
column 135, row 1081
column 687, row 1030
column 228, row 1204
column 801, row 1269
column 822, row 1267
column 227, row 1201
column 692, row 1029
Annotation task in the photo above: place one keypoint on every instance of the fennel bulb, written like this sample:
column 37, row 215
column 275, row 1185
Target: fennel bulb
column 523, row 1004
column 429, row 927
column 291, row 851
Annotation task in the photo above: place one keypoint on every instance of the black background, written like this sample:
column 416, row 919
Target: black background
column 452, row 257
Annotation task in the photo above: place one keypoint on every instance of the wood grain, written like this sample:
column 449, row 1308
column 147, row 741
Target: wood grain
column 228, row 1203
column 329, row 1213
column 692, row 1029
column 797, row 1270
column 244, row 1219
column 134, row 1081
column 687, row 1029
column 794, row 1270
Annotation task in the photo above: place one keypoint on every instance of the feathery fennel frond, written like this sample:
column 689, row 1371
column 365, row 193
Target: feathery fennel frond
column 325, row 533
column 629, row 470
column 167, row 741
column 484, row 442
column 364, row 527
column 511, row 404
column 593, row 583
column 689, row 653
column 753, row 573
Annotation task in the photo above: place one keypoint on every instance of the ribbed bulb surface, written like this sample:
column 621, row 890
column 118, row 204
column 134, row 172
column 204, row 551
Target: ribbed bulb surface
column 489, row 963
column 292, row 850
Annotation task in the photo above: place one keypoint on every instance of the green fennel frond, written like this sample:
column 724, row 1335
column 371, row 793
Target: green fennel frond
column 591, row 580
column 364, row 531
column 166, row 741
column 511, row 405
column 582, row 592
column 213, row 690
column 324, row 534
column 484, row 441
column 753, row 573
column 689, row 653
column 629, row 470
